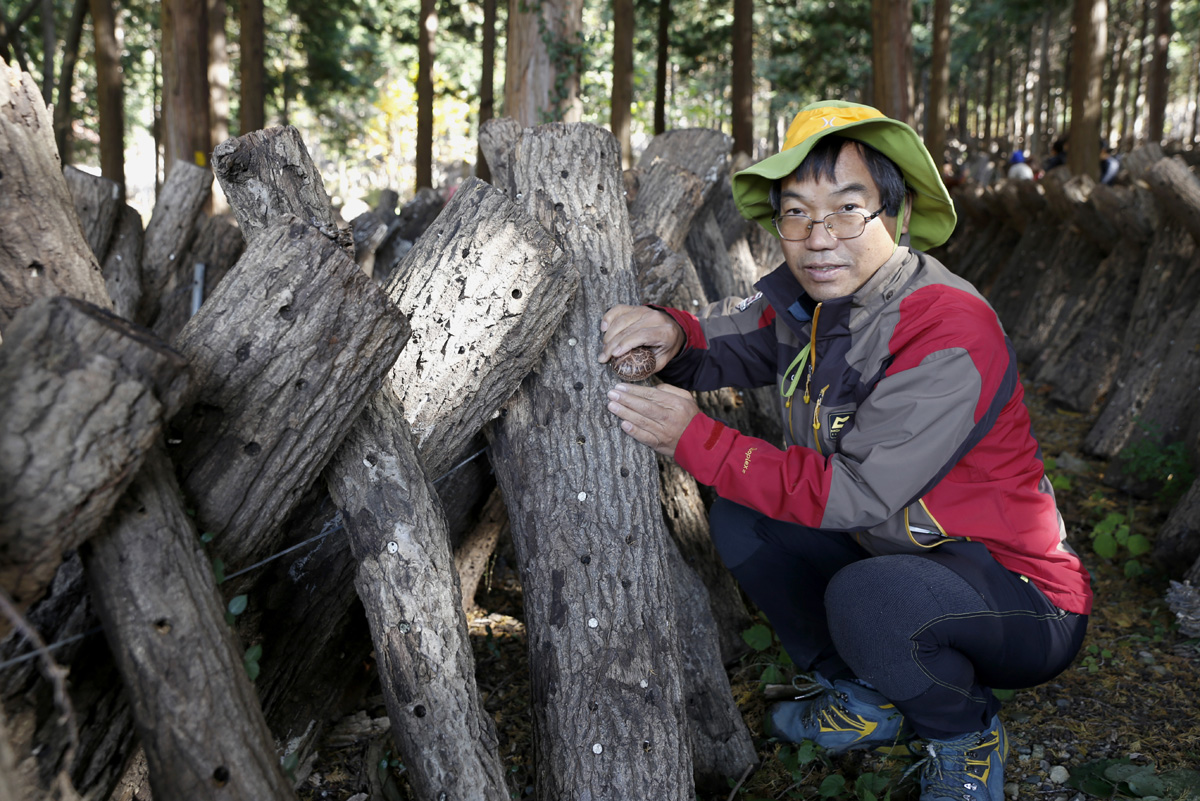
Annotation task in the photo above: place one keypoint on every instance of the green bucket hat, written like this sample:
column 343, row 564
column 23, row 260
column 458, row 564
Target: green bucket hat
column 933, row 217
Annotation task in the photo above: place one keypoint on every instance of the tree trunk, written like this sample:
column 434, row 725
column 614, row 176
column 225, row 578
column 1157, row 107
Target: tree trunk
column 497, row 138
column 85, row 396
column 1088, row 46
column 66, row 81
column 197, row 714
column 284, row 355
column 1158, row 79
column 1178, row 542
column 1040, row 113
column 123, row 264
column 939, row 81
column 397, row 533
column 543, row 61
column 667, row 200
column 218, row 72
column 168, row 236
column 663, row 66
column 251, row 70
column 487, row 88
column 110, row 92
column 426, row 28
column 471, row 557
column 600, row 609
column 186, row 128
column 742, row 77
column 622, row 77
column 267, row 174
column 891, row 57
column 51, row 257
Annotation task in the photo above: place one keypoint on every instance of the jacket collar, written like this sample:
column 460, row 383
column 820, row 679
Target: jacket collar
column 782, row 290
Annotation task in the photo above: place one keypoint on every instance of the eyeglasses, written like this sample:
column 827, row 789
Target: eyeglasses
column 840, row 225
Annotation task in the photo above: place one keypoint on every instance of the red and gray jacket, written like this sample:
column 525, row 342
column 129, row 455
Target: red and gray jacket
column 904, row 423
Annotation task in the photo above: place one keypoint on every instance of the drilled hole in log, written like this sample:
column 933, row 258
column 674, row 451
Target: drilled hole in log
column 252, row 449
column 624, row 472
column 221, row 775
column 301, row 383
column 581, row 439
column 516, row 293
column 35, row 270
column 419, row 711
column 287, row 313
column 162, row 626
column 243, row 352
column 578, row 385
column 585, row 559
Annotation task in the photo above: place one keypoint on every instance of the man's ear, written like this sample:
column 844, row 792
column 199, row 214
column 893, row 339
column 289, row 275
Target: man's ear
column 909, row 197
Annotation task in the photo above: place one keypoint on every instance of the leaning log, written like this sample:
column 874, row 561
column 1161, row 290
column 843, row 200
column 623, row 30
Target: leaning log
column 702, row 151
column 123, row 263
column 196, row 712
column 85, row 394
column 497, row 138
column 398, row 536
column 44, row 253
column 98, row 203
column 268, row 174
column 284, row 356
column 1178, row 190
column 484, row 272
column 1177, row 546
column 607, row 700
column 668, row 198
column 170, row 233
column 212, row 254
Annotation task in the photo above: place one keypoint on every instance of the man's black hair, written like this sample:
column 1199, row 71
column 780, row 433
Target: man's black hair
column 822, row 159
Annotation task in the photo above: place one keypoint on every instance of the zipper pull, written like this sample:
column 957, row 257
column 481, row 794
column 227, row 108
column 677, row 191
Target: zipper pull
column 817, row 410
column 807, row 381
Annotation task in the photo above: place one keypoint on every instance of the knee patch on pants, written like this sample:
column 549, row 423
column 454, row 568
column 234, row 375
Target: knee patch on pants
column 876, row 607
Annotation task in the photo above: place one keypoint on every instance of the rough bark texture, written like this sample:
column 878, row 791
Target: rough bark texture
column 484, row 288
column 668, row 198
column 398, row 537
column 472, row 555
column 268, row 174
column 702, row 151
column 123, row 263
column 85, row 394
column 98, row 203
column 721, row 746
column 44, row 253
column 666, row 276
column 9, row 789
column 284, row 355
column 170, row 233
column 196, row 711
column 1177, row 545
column 599, row 600
column 497, row 138
column 217, row 246
column 1178, row 191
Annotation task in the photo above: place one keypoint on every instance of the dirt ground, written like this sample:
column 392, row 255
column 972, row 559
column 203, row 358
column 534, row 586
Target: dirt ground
column 1130, row 695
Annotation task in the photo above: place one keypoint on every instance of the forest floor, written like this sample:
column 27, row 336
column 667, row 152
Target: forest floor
column 1128, row 705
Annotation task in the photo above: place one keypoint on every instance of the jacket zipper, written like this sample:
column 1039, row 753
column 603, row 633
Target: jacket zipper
column 812, row 363
column 816, row 423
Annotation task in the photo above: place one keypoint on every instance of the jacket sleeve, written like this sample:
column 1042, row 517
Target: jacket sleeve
column 948, row 379
column 729, row 344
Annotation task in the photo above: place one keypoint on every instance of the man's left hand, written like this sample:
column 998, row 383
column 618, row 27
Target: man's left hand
column 654, row 416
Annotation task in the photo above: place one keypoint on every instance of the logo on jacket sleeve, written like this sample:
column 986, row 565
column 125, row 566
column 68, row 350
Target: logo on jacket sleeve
column 837, row 422
column 745, row 304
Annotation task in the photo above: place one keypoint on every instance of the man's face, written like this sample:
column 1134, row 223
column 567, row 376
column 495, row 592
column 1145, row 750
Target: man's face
column 830, row 268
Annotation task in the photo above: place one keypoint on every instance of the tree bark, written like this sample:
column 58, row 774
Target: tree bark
column 252, row 100
column 122, row 267
column 197, row 715
column 186, row 128
column 471, row 557
column 668, row 198
column 1158, row 79
column 267, row 174
column 742, row 77
column 110, row 92
column 284, row 354
column 487, row 85
column 1178, row 192
column 217, row 246
column 1088, row 46
column 702, row 151
column 169, row 235
column 939, row 82
column 599, row 602
column 663, row 66
column 51, row 257
column 622, row 78
column 891, row 57
column 398, row 536
column 66, row 81
column 85, row 395
column 98, row 203
column 497, row 137
column 218, row 71
column 541, row 79
column 426, row 27
column 1177, row 545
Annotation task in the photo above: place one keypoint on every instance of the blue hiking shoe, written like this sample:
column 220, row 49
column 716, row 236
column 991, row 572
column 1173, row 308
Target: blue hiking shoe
column 840, row 716
column 966, row 768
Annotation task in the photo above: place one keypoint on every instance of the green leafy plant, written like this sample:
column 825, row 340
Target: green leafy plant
column 1121, row 778
column 1112, row 534
column 250, row 660
column 1168, row 467
column 1060, row 482
column 777, row 665
column 1094, row 658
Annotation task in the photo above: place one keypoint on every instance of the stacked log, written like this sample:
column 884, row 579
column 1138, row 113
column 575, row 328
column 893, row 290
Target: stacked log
column 1100, row 292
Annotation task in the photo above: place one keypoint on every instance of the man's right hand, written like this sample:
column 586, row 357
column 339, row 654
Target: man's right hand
column 628, row 327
